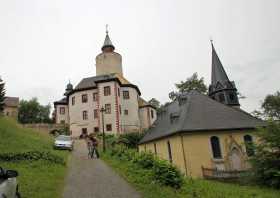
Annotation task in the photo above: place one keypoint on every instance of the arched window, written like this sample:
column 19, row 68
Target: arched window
column 249, row 145
column 216, row 149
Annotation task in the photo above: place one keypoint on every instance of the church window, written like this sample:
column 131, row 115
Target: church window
column 73, row 100
column 107, row 91
column 85, row 115
column 107, row 108
column 249, row 145
column 95, row 113
column 125, row 94
column 96, row 129
column 125, row 112
column 221, row 97
column 119, row 92
column 108, row 127
column 94, row 96
column 152, row 113
column 62, row 110
column 216, row 148
column 84, row 98
column 169, row 152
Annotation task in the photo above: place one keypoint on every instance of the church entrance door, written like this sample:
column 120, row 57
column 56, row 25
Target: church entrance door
column 235, row 159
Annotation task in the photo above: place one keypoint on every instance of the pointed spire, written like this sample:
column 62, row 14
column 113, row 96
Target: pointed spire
column 107, row 42
column 218, row 71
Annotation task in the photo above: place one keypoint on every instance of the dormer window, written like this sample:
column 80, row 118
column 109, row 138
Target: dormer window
column 174, row 117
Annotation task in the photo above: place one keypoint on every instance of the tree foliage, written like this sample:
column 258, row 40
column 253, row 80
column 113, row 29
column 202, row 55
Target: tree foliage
column 2, row 95
column 154, row 102
column 191, row 83
column 266, row 161
column 270, row 108
column 32, row 112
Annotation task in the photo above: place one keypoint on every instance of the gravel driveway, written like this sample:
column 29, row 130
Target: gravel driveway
column 92, row 178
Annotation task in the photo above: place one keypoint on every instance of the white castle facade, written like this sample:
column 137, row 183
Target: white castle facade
column 124, row 110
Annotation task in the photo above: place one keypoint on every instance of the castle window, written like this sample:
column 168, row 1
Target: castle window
column 125, row 112
column 152, row 113
column 96, row 129
column 62, row 110
column 107, row 108
column 85, row 115
column 107, row 91
column 249, row 145
column 94, row 95
column 84, row 98
column 108, row 127
column 125, row 94
column 216, row 148
column 120, row 109
column 95, row 113
column 119, row 92
column 169, row 152
column 221, row 97
column 73, row 100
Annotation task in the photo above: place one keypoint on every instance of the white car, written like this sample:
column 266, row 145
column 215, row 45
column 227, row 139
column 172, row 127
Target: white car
column 64, row 142
column 8, row 184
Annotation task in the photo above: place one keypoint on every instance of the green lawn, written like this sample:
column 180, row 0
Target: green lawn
column 38, row 179
column 142, row 180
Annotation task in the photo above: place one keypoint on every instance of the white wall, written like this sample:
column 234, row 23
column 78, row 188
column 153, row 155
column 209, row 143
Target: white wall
column 108, row 63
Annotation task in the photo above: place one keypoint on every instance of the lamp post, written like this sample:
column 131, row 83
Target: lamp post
column 102, row 110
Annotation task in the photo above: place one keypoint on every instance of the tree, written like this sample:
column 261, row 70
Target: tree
column 266, row 160
column 154, row 102
column 32, row 112
column 270, row 108
column 2, row 95
column 192, row 83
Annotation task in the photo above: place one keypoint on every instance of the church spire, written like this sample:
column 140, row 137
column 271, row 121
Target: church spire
column 221, row 88
column 218, row 71
column 107, row 45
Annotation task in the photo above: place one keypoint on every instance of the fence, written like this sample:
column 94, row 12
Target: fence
column 216, row 174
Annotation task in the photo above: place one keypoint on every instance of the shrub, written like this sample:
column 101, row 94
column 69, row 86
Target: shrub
column 31, row 156
column 162, row 171
column 131, row 140
column 266, row 161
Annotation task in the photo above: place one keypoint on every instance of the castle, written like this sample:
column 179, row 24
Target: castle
column 106, row 101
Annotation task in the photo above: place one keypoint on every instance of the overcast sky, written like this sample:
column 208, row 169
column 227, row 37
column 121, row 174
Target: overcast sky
column 43, row 44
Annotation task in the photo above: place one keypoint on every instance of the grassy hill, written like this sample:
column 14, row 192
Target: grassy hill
column 37, row 178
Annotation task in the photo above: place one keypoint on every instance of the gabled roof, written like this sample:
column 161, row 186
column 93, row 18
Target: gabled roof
column 91, row 82
column 218, row 71
column 11, row 101
column 62, row 101
column 197, row 112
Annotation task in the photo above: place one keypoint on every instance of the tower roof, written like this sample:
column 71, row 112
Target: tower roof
column 218, row 71
column 107, row 42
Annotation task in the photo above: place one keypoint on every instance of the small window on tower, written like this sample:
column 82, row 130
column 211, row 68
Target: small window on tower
column 221, row 97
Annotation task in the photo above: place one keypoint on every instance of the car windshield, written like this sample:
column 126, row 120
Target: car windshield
column 63, row 138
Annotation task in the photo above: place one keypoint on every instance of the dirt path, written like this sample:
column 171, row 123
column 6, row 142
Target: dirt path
column 92, row 178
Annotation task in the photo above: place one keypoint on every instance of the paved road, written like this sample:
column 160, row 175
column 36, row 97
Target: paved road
column 92, row 178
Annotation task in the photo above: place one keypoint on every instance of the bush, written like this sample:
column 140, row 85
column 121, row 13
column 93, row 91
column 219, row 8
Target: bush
column 31, row 156
column 131, row 140
column 266, row 161
column 163, row 172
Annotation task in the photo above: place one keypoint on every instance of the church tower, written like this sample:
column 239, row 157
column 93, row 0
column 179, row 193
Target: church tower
column 222, row 89
column 108, row 62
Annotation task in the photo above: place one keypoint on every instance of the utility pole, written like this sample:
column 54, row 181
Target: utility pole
column 102, row 110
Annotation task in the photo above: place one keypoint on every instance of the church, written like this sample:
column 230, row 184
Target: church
column 106, row 101
column 205, row 135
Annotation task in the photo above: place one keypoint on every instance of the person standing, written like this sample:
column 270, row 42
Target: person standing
column 94, row 144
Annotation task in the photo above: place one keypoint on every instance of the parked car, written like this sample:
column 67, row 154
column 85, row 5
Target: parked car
column 8, row 184
column 64, row 142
